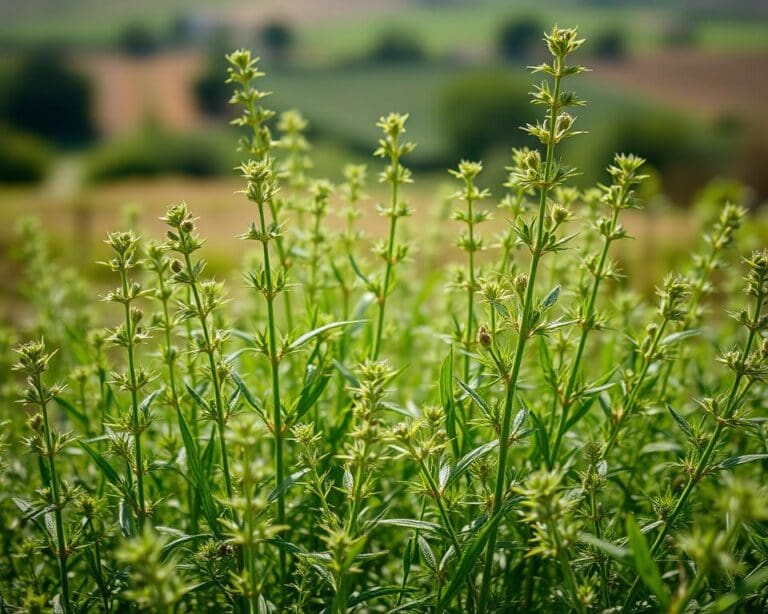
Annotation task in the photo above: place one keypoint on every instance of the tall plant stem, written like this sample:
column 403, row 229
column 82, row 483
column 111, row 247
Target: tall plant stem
column 586, row 326
column 630, row 402
column 142, row 511
column 274, row 365
column 220, row 417
column 730, row 407
column 61, row 541
column 513, row 376
column 387, row 268
column 470, row 288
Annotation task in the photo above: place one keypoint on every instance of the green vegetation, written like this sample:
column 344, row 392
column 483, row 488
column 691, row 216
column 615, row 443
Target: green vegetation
column 337, row 433
column 155, row 152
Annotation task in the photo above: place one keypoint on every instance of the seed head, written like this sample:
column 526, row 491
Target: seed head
column 484, row 337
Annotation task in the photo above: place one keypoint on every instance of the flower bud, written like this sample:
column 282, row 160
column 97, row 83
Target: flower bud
column 484, row 337
column 35, row 422
column 521, row 282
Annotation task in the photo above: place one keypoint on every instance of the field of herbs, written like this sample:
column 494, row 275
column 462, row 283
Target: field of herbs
column 348, row 430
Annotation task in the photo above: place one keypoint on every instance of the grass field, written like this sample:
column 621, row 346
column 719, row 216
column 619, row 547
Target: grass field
column 343, row 28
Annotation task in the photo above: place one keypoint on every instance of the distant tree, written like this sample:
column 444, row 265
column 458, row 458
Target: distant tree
column 609, row 45
column 481, row 111
column 518, row 38
column 138, row 40
column 278, row 38
column 44, row 96
column 211, row 91
column 397, row 46
column 23, row 158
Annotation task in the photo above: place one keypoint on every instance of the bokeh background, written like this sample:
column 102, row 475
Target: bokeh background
column 113, row 110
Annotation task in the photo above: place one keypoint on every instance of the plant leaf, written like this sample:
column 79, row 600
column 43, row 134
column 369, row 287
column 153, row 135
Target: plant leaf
column 479, row 401
column 740, row 460
column 645, row 565
column 319, row 331
column 466, row 460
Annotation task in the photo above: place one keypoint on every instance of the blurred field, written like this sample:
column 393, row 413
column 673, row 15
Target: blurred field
column 78, row 223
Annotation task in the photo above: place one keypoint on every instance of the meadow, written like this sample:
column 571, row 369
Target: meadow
column 494, row 403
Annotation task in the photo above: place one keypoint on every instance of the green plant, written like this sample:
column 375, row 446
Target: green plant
column 546, row 438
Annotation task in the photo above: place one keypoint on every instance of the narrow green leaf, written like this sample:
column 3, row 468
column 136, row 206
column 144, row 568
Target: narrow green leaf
column 644, row 564
column 551, row 298
column 681, row 422
column 466, row 460
column 446, row 398
column 285, row 485
column 469, row 557
column 740, row 460
column 484, row 407
column 622, row 555
column 198, row 475
column 72, row 411
column 317, row 381
column 319, row 331
column 103, row 465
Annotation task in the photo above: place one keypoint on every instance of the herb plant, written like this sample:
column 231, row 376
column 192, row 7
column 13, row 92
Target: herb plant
column 329, row 432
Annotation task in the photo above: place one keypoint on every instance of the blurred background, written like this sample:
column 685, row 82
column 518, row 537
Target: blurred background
column 108, row 107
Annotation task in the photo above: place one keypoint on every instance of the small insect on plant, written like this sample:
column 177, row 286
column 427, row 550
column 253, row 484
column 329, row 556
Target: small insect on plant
column 335, row 434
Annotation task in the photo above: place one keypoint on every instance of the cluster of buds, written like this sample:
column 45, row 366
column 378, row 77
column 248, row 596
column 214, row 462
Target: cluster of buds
column 243, row 71
column 672, row 294
column 548, row 506
column 293, row 126
column 391, row 147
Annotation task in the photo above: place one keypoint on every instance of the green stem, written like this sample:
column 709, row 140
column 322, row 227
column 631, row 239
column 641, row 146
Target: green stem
column 274, row 363
column 99, row 570
column 586, row 326
column 220, row 417
column 567, row 570
column 61, row 541
column 470, row 289
column 520, row 347
column 631, row 401
column 388, row 268
column 701, row 467
column 142, row 511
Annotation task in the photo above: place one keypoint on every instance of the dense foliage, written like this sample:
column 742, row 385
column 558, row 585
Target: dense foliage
column 343, row 436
